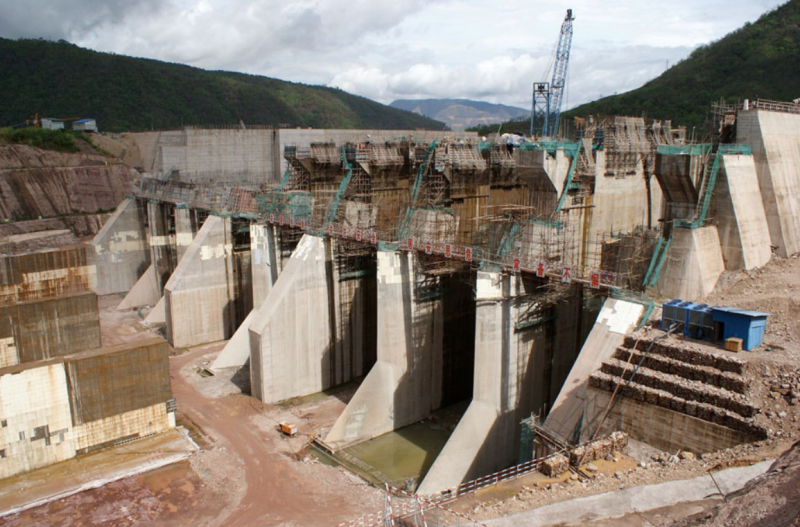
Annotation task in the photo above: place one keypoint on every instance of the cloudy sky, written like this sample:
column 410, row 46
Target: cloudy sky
column 488, row 50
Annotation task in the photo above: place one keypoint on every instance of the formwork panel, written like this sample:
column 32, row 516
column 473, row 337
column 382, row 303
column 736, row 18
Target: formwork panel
column 36, row 428
column 45, row 274
column 56, row 327
column 118, row 381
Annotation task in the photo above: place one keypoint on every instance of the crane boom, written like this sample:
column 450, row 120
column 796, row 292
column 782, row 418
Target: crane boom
column 547, row 98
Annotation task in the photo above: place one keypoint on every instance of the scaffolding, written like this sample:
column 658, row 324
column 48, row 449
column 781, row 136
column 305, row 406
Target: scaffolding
column 461, row 202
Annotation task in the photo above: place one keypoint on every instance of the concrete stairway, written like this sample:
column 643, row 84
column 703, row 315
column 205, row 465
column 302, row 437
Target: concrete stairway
column 704, row 385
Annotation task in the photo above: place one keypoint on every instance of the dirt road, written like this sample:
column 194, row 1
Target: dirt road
column 275, row 493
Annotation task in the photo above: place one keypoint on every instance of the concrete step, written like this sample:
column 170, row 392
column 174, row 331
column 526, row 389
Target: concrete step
column 680, row 387
column 689, row 355
column 664, row 399
column 705, row 374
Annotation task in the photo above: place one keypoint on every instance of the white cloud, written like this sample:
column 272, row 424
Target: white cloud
column 401, row 49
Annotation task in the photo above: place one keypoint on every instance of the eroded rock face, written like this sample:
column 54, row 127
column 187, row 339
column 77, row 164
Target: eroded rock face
column 36, row 183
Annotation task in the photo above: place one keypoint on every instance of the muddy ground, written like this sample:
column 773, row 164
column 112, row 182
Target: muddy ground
column 247, row 473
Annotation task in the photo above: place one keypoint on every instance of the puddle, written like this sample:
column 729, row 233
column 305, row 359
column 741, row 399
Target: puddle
column 403, row 457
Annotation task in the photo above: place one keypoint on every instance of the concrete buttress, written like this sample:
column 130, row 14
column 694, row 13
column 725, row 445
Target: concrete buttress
column 120, row 251
column 775, row 141
column 693, row 264
column 616, row 319
column 297, row 344
column 199, row 296
column 405, row 384
column 265, row 266
column 486, row 438
column 739, row 214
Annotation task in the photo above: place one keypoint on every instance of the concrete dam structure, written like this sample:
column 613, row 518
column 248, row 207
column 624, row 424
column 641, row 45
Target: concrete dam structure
column 440, row 268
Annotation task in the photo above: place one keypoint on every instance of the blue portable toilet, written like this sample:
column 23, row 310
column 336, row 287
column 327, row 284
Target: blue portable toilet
column 741, row 323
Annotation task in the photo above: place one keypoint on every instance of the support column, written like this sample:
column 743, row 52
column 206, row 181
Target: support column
column 120, row 250
column 163, row 253
column 296, row 344
column 487, row 437
column 199, row 298
column 183, row 230
column 265, row 261
column 405, row 384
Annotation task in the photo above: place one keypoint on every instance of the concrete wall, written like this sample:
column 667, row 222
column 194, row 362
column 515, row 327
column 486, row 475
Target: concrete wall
column 405, row 384
column 775, row 141
column 120, row 251
column 105, row 432
column 693, row 264
column 255, row 157
column 46, row 274
column 621, row 203
column 49, row 412
column 199, row 296
column 738, row 212
column 42, row 329
column 230, row 156
column 659, row 427
column 35, row 416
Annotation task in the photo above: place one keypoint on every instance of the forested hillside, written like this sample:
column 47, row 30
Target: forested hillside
column 59, row 79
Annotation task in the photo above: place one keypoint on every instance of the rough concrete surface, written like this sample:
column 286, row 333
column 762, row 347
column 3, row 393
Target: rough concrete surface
column 634, row 499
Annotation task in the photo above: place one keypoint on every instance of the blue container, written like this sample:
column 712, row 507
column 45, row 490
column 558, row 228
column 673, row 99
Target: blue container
column 700, row 322
column 742, row 323
column 669, row 313
column 682, row 317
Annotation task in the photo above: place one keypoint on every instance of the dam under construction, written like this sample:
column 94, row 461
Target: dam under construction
column 456, row 307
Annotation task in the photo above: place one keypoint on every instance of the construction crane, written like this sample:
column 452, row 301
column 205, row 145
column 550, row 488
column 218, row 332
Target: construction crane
column 547, row 97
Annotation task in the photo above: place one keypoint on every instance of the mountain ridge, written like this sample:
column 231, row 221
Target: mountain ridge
column 459, row 114
column 60, row 79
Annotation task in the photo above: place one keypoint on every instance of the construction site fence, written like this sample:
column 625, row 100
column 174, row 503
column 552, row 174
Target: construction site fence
column 412, row 504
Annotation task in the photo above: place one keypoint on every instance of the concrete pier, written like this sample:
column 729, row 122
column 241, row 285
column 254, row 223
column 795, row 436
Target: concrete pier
column 486, row 438
column 739, row 214
column 184, row 232
column 265, row 265
column 774, row 138
column 693, row 264
column 405, row 384
column 312, row 330
column 200, row 296
column 163, row 251
column 616, row 319
column 119, row 250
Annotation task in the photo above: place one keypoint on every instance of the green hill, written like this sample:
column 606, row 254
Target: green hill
column 59, row 79
column 758, row 60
